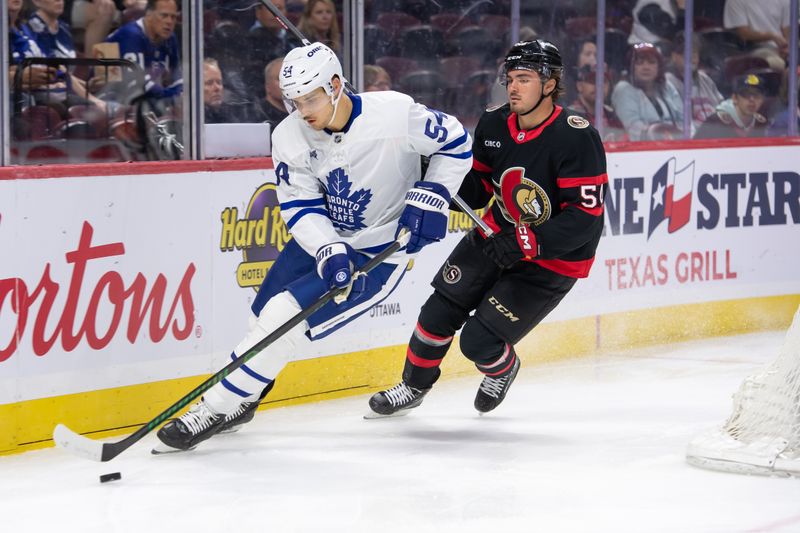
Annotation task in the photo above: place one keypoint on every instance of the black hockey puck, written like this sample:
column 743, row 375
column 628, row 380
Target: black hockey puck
column 113, row 476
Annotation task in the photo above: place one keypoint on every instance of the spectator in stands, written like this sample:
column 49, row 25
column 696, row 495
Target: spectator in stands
column 319, row 24
column 97, row 17
column 54, row 40
column 655, row 21
column 217, row 111
column 764, row 24
column 587, row 53
column 739, row 115
column 376, row 79
column 584, row 103
column 272, row 108
column 705, row 95
column 649, row 106
column 780, row 125
column 150, row 42
column 267, row 38
column 20, row 47
column 52, row 36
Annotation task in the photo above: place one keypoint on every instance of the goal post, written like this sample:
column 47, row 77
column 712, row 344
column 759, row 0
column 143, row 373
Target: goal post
column 762, row 435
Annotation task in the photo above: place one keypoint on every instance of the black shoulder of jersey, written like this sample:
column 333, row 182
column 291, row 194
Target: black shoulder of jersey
column 498, row 112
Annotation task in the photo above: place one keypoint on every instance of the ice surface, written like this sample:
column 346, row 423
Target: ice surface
column 590, row 445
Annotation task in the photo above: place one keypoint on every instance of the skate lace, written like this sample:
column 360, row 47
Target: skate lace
column 493, row 386
column 399, row 394
column 199, row 418
column 239, row 410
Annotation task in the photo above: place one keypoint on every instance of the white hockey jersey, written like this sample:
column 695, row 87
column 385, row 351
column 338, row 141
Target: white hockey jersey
column 350, row 186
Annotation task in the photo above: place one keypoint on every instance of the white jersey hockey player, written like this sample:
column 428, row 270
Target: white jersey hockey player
column 349, row 178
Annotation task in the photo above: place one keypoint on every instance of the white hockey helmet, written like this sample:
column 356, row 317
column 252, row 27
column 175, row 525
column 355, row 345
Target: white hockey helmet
column 307, row 67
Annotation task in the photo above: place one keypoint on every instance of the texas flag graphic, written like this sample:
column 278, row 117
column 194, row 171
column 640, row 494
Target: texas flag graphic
column 671, row 196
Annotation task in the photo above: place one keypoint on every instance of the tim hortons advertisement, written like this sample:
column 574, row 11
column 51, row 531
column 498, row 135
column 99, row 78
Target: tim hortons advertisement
column 118, row 280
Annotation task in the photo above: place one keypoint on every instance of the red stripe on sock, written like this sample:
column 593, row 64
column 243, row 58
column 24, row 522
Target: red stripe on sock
column 431, row 336
column 420, row 362
column 508, row 366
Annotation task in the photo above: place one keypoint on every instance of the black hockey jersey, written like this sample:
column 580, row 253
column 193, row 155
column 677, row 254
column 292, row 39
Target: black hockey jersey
column 552, row 178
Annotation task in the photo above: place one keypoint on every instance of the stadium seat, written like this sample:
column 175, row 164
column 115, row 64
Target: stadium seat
column 476, row 92
column 475, row 41
column 376, row 43
column 46, row 154
column 426, row 86
column 580, row 27
column 93, row 115
column 38, row 122
column 449, row 23
column 394, row 23
column 456, row 69
column 497, row 25
column 719, row 43
column 397, row 67
column 422, row 43
column 130, row 14
column 77, row 129
column 108, row 153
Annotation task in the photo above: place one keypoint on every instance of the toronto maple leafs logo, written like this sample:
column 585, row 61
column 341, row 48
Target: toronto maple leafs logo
column 346, row 208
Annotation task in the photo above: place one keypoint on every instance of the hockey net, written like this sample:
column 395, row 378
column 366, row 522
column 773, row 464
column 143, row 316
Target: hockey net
column 762, row 436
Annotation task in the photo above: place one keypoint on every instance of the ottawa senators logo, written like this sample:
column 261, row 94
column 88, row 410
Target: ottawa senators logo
column 523, row 200
column 577, row 122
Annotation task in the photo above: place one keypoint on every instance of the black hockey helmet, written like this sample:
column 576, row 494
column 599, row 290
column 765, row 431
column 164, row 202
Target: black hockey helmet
column 539, row 56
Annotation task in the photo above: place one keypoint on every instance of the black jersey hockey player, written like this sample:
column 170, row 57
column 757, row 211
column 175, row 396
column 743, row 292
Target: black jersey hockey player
column 545, row 167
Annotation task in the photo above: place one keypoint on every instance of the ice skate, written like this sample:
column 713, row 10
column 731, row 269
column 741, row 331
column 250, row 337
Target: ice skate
column 397, row 401
column 190, row 429
column 493, row 389
column 244, row 413
column 241, row 416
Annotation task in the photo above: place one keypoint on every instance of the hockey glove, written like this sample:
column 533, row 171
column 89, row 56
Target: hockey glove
column 510, row 245
column 425, row 215
column 335, row 264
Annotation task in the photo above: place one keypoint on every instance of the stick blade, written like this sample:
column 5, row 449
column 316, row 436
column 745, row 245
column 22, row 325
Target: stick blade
column 77, row 444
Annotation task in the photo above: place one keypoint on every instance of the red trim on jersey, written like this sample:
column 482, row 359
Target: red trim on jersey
column 480, row 167
column 529, row 135
column 572, row 269
column 595, row 211
column 566, row 183
column 420, row 362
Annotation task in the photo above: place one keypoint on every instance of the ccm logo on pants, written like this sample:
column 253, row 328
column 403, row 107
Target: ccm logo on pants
column 503, row 310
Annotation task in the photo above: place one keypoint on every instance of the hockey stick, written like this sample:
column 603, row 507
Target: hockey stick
column 105, row 451
column 288, row 26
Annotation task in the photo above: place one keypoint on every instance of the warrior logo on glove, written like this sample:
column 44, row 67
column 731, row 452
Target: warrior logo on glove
column 524, row 200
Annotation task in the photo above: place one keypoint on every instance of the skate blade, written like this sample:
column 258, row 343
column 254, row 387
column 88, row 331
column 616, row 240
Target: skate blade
column 372, row 415
column 163, row 449
column 228, row 431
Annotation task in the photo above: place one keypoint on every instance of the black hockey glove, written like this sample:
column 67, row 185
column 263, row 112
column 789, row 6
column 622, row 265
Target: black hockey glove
column 510, row 245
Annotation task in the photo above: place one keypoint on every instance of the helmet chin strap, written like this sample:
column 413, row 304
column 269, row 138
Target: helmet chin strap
column 335, row 101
